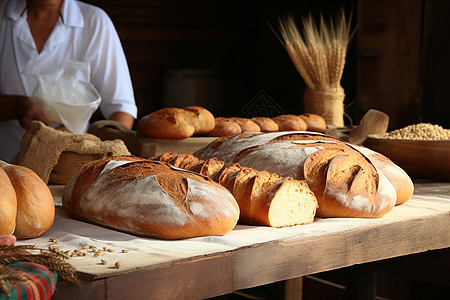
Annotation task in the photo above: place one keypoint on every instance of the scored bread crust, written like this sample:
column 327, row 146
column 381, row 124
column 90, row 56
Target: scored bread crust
column 347, row 180
column 264, row 198
column 149, row 199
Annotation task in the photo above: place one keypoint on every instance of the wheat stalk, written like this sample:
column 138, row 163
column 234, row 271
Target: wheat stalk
column 317, row 51
column 52, row 258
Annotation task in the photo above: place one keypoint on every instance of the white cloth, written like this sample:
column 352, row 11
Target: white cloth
column 83, row 33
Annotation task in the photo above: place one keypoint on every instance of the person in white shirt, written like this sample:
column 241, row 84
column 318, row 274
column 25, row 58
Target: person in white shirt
column 50, row 32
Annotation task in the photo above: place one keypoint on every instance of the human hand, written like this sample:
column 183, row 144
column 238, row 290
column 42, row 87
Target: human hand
column 26, row 112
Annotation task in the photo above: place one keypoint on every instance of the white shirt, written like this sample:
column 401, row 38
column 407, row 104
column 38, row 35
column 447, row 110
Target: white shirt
column 83, row 33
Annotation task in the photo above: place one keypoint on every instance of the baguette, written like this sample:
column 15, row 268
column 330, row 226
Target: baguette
column 264, row 198
column 348, row 181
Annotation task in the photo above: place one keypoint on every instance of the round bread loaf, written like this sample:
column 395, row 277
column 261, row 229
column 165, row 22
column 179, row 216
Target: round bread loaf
column 176, row 123
column 289, row 123
column 247, row 125
column 225, row 127
column 150, row 199
column 26, row 203
column 314, row 122
column 266, row 124
column 348, row 181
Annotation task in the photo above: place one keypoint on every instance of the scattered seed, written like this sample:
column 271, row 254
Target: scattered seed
column 104, row 262
column 118, row 265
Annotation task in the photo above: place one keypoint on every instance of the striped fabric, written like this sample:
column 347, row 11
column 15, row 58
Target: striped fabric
column 41, row 282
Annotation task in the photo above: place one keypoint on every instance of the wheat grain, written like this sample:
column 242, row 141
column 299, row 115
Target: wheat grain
column 318, row 52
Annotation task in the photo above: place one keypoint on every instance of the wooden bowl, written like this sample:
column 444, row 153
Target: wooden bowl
column 421, row 159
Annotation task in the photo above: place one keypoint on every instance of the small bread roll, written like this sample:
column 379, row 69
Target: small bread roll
column 176, row 123
column 199, row 117
column 247, row 125
column 314, row 122
column 166, row 123
column 8, row 205
column 266, row 124
column 290, row 123
column 225, row 127
column 35, row 205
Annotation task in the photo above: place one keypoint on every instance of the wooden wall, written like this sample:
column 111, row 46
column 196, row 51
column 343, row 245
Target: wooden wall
column 232, row 38
column 394, row 61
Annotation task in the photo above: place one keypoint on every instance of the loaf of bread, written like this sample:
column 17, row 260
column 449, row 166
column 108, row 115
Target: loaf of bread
column 27, row 208
column 176, row 123
column 246, row 124
column 264, row 198
column 290, row 122
column 149, row 199
column 348, row 181
column 314, row 122
column 266, row 124
column 225, row 127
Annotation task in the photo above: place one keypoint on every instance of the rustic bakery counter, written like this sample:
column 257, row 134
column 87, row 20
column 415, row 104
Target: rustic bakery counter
column 248, row 256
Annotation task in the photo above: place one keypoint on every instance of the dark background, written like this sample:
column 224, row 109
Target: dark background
column 397, row 60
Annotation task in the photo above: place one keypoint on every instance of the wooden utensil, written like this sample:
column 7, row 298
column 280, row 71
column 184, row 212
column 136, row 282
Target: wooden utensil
column 373, row 122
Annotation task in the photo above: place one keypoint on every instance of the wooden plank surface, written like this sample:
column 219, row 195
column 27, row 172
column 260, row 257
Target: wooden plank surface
column 419, row 225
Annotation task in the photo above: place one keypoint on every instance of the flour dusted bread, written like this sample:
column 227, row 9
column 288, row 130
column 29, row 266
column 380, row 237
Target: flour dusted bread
column 26, row 203
column 150, row 199
column 264, row 198
column 348, row 181
column 176, row 123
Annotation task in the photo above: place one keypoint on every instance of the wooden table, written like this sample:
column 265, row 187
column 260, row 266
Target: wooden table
column 421, row 224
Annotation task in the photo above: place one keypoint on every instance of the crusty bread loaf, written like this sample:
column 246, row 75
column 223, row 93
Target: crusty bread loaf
column 348, row 181
column 289, row 122
column 314, row 122
column 225, row 127
column 176, row 123
column 266, row 124
column 150, row 199
column 247, row 125
column 264, row 198
column 34, row 205
column 8, row 205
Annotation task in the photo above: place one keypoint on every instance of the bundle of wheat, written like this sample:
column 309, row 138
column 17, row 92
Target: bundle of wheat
column 318, row 54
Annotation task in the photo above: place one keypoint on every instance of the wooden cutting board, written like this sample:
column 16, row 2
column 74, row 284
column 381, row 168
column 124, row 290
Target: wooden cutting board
column 143, row 146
